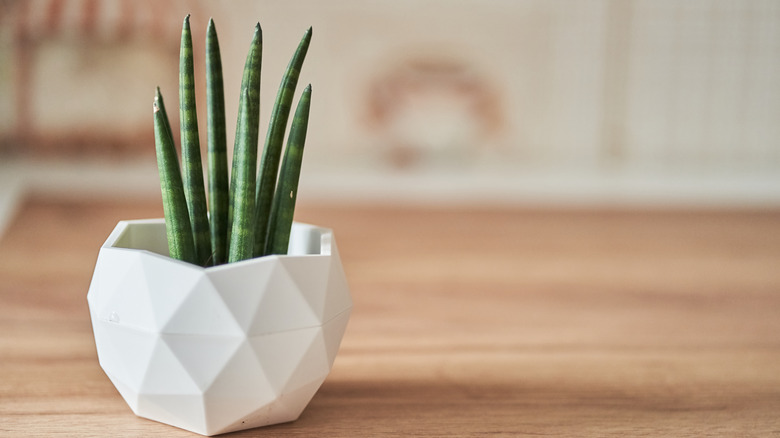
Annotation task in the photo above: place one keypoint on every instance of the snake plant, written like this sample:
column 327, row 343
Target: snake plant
column 247, row 214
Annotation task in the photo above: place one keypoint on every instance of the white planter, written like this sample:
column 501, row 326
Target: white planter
column 219, row 349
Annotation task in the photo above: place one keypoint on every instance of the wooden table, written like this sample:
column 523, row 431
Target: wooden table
column 499, row 322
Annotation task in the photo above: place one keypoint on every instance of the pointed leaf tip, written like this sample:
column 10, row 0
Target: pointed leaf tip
column 306, row 38
column 157, row 99
column 187, row 21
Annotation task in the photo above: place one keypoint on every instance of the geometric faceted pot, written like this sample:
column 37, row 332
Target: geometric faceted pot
column 217, row 349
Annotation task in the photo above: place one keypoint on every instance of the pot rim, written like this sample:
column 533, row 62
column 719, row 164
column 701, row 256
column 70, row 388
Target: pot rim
column 123, row 226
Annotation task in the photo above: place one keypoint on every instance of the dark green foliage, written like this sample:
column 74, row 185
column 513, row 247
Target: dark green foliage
column 228, row 235
column 217, row 148
column 247, row 128
column 192, row 169
column 269, row 163
column 244, row 171
column 177, row 220
column 283, row 205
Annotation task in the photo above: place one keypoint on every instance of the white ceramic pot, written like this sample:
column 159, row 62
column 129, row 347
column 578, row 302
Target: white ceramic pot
column 218, row 349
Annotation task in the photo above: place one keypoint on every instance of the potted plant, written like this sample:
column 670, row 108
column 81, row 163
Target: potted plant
column 225, row 315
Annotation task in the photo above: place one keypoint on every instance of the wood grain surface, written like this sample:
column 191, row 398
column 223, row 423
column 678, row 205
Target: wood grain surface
column 495, row 322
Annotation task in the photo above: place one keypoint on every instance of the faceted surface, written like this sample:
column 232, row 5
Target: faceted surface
column 223, row 348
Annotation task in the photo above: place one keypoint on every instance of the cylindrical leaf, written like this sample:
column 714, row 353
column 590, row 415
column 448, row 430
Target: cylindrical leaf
column 250, row 91
column 269, row 163
column 190, row 146
column 177, row 220
column 217, row 148
column 287, row 189
column 243, row 179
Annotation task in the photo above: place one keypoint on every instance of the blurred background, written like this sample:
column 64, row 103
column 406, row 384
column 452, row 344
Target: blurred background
column 604, row 102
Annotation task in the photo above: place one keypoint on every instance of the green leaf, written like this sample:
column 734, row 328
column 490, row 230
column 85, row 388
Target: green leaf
column 177, row 220
column 192, row 168
column 269, row 164
column 249, row 123
column 217, row 148
column 283, row 206
column 244, row 173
